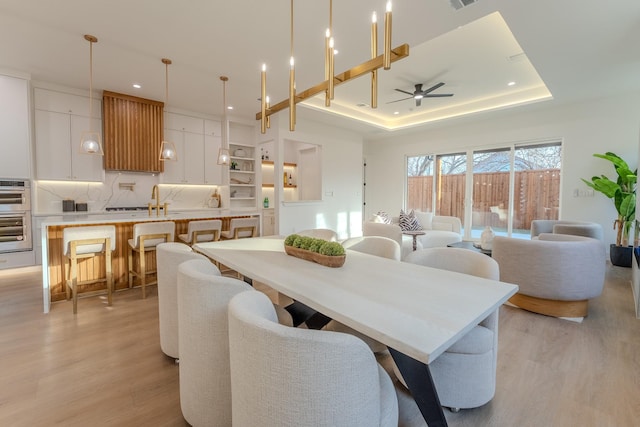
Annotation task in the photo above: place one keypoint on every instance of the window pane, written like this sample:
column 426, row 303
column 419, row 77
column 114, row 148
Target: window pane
column 420, row 183
column 537, row 185
column 490, row 191
column 450, row 184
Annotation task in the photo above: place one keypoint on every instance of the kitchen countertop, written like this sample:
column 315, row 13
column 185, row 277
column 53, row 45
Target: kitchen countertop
column 138, row 216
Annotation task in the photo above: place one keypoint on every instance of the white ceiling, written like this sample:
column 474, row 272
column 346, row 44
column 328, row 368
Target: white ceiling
column 579, row 49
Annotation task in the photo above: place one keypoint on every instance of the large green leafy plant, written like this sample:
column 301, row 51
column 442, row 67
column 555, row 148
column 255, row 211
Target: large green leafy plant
column 623, row 193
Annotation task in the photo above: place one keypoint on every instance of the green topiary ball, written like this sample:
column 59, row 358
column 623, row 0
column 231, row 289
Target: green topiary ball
column 290, row 239
column 332, row 249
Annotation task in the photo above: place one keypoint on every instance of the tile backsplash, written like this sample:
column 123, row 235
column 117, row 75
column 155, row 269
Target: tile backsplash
column 122, row 189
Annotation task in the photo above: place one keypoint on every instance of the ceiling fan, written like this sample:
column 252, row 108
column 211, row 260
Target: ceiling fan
column 418, row 94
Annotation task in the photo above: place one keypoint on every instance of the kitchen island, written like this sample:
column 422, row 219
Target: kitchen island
column 54, row 262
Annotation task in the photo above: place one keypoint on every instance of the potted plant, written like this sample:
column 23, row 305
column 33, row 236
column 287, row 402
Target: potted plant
column 623, row 193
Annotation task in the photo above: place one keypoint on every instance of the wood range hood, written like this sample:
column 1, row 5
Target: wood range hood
column 132, row 129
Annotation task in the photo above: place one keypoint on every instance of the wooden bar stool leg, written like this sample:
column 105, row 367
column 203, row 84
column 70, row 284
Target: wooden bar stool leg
column 143, row 269
column 131, row 267
column 107, row 256
column 74, row 277
column 67, row 276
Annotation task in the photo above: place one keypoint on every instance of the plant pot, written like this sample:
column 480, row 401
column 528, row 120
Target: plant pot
column 621, row 256
column 326, row 260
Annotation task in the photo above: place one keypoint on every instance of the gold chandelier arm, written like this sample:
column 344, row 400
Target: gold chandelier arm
column 366, row 67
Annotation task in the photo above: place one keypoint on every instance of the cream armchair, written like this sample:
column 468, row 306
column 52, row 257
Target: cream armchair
column 575, row 228
column 557, row 273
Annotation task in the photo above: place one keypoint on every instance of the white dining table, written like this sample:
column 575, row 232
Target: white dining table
column 417, row 312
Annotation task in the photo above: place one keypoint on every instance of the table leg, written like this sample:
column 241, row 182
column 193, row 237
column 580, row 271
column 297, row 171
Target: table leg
column 418, row 378
column 414, row 242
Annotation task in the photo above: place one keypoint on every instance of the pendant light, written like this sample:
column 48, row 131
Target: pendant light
column 90, row 140
column 223, row 152
column 167, row 148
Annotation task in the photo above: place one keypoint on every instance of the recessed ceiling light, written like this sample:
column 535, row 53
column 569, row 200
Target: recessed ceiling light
column 137, row 86
column 511, row 84
column 230, row 107
column 396, row 112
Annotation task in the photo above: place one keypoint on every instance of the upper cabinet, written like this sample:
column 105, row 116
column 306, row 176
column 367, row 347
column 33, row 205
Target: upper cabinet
column 197, row 142
column 14, row 128
column 60, row 119
column 133, row 129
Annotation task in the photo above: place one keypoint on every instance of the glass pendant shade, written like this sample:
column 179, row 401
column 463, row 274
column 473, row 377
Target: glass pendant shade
column 223, row 156
column 168, row 151
column 90, row 143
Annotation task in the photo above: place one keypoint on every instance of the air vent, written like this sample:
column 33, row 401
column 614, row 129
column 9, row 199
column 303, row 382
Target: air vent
column 459, row 4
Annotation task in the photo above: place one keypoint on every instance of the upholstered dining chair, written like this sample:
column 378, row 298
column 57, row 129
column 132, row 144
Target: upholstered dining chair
column 169, row 256
column 372, row 245
column 375, row 245
column 283, row 376
column 465, row 374
column 320, row 233
column 203, row 341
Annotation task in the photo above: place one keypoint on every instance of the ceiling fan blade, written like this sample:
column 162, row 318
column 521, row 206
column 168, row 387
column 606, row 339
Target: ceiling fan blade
column 404, row 91
column 437, row 95
column 398, row 100
column 432, row 88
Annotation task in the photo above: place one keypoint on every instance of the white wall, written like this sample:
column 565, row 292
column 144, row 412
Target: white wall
column 597, row 126
column 341, row 206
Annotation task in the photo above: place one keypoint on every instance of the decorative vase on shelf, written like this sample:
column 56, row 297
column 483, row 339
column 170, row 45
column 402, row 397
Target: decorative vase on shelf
column 486, row 238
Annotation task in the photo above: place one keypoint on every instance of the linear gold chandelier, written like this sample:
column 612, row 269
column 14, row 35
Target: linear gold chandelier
column 371, row 66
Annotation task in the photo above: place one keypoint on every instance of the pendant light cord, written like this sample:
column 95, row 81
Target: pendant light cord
column 291, row 26
column 90, row 84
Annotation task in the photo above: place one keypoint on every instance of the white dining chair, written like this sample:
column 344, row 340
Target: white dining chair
column 203, row 341
column 465, row 374
column 169, row 256
column 284, row 376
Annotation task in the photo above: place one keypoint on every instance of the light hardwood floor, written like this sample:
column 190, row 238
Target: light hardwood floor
column 104, row 367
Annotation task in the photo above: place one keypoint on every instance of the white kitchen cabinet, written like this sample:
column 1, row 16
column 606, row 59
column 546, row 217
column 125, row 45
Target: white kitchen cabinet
column 268, row 222
column 212, row 141
column 58, row 154
column 197, row 142
column 60, row 119
column 189, row 168
column 15, row 161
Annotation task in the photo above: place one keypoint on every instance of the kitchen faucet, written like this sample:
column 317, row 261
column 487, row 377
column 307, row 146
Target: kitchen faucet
column 155, row 195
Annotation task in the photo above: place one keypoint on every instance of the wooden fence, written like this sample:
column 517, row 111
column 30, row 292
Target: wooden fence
column 536, row 196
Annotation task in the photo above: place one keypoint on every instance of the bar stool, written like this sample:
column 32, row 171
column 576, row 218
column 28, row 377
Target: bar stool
column 146, row 236
column 241, row 227
column 202, row 231
column 88, row 242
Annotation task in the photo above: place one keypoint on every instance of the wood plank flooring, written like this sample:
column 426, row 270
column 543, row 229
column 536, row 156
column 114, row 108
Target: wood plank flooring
column 104, row 367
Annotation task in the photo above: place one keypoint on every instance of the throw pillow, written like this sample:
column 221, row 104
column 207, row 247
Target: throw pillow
column 408, row 221
column 425, row 219
column 385, row 217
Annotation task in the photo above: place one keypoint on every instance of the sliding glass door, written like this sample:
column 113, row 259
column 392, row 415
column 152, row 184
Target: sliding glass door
column 506, row 187
column 491, row 174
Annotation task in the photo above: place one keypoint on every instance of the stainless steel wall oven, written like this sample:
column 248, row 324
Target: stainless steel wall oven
column 15, row 216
